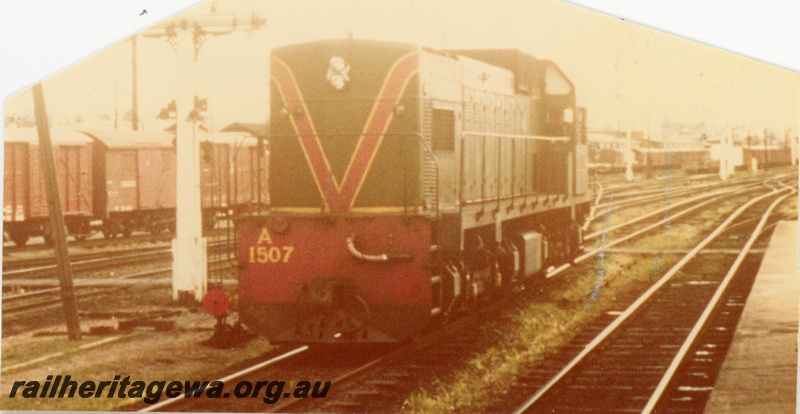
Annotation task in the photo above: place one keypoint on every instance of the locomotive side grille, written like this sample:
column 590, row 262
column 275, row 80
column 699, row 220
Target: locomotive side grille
column 429, row 176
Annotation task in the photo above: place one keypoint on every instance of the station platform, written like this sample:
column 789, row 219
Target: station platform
column 759, row 374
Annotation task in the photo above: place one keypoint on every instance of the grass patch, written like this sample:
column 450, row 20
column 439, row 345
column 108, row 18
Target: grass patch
column 39, row 347
column 535, row 331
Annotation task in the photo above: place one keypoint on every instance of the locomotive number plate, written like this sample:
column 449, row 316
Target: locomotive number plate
column 269, row 253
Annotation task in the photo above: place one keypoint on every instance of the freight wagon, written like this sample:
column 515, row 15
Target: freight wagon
column 25, row 210
column 134, row 181
column 140, row 185
column 120, row 182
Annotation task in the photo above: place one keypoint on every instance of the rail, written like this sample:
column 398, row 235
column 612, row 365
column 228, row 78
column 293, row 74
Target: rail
column 641, row 300
column 695, row 332
column 171, row 401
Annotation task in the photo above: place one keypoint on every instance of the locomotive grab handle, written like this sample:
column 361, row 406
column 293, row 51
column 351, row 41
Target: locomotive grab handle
column 373, row 257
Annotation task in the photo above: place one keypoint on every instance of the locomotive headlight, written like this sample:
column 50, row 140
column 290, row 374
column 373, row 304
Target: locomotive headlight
column 284, row 112
column 338, row 75
column 399, row 111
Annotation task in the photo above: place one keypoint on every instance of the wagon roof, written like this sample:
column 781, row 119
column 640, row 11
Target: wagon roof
column 128, row 139
column 233, row 138
column 60, row 135
column 258, row 130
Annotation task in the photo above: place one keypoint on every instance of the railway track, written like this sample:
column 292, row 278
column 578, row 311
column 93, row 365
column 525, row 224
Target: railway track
column 48, row 297
column 631, row 363
column 383, row 383
column 630, row 205
column 365, row 385
column 668, row 192
column 376, row 389
column 90, row 243
column 44, row 267
column 10, row 248
column 369, row 391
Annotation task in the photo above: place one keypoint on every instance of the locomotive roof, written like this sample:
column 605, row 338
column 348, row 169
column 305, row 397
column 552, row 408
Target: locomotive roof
column 123, row 139
column 58, row 134
column 345, row 41
column 531, row 75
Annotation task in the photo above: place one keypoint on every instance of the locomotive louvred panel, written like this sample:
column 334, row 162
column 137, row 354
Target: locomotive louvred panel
column 429, row 173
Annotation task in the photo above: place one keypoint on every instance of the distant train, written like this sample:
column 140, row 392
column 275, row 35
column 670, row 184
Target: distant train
column 120, row 182
column 691, row 160
column 405, row 185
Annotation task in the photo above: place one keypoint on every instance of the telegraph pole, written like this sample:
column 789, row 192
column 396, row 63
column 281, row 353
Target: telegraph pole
column 766, row 159
column 189, row 248
column 56, row 216
column 649, row 173
column 732, row 154
column 723, row 157
column 134, row 83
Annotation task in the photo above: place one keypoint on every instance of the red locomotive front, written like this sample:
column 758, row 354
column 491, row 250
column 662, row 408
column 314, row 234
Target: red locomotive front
column 335, row 279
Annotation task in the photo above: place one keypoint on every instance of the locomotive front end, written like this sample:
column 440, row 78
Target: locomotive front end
column 344, row 253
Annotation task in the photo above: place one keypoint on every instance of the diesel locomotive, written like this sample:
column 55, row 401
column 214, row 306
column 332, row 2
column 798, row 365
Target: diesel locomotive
column 405, row 185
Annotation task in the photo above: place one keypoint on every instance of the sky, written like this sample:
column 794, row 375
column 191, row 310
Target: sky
column 624, row 74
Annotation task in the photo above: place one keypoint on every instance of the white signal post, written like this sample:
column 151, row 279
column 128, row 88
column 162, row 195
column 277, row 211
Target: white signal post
column 189, row 254
column 735, row 156
column 729, row 156
column 724, row 158
column 629, row 157
column 189, row 248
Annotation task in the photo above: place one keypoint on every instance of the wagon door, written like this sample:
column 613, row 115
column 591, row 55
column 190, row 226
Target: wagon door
column 222, row 166
column 15, row 183
column 243, row 175
column 156, row 179
column 73, row 167
column 123, row 180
